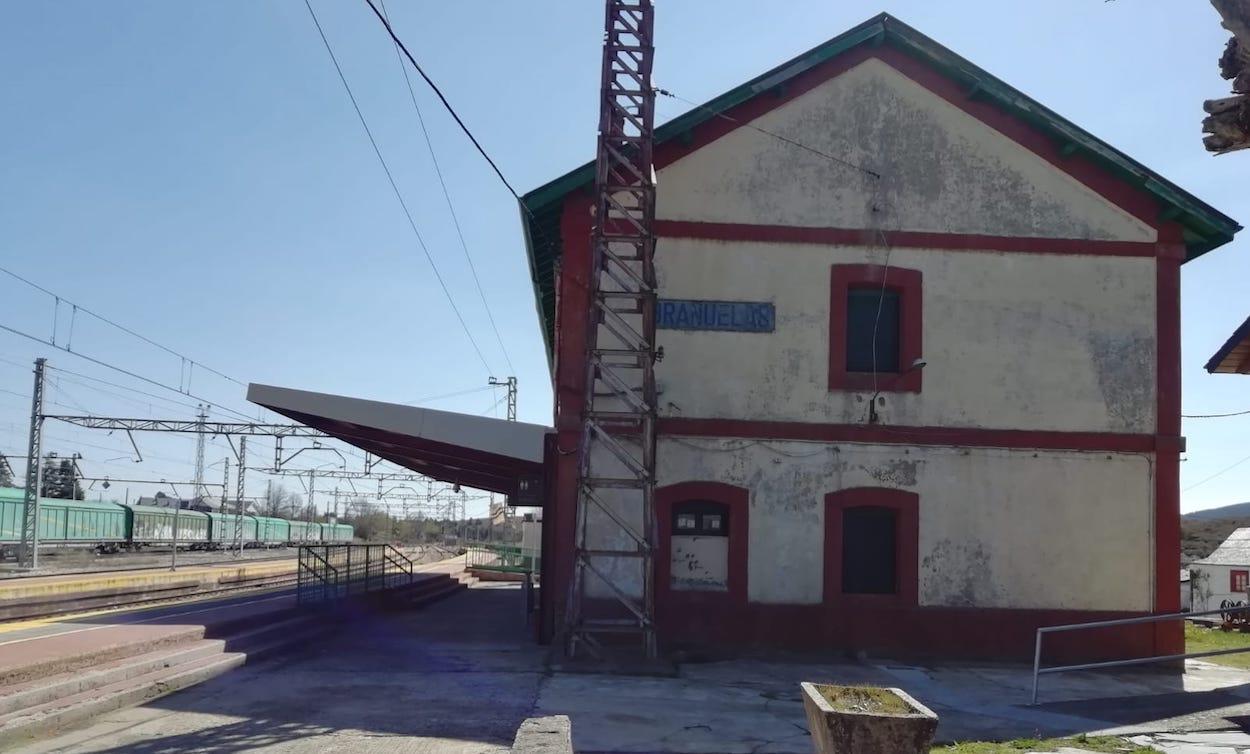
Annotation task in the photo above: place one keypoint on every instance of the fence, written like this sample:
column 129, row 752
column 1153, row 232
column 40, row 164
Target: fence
column 488, row 556
column 333, row 572
column 1038, row 670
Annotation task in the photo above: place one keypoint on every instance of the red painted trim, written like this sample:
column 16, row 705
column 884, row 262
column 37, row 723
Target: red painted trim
column 941, row 632
column 737, row 500
column 1124, row 194
column 908, row 284
column 906, row 506
column 570, row 360
column 1169, row 636
column 1233, row 586
column 793, row 234
column 1109, row 442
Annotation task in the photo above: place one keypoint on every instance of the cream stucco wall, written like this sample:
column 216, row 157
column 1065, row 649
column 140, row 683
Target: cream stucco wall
column 1013, row 341
column 998, row 528
column 942, row 170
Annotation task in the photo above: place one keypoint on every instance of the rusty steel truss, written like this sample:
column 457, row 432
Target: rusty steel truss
column 616, row 464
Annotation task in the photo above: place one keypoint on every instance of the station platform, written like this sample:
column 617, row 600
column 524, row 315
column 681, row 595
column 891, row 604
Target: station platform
column 54, row 672
column 29, row 587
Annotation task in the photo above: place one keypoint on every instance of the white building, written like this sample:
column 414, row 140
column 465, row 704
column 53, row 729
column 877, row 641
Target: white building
column 1222, row 575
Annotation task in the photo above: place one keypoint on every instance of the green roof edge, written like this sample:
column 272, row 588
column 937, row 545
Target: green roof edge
column 1206, row 228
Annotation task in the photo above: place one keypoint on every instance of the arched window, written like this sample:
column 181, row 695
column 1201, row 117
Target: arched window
column 872, row 545
column 701, row 558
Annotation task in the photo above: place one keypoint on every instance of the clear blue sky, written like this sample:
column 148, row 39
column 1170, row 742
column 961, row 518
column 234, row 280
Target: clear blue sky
column 195, row 171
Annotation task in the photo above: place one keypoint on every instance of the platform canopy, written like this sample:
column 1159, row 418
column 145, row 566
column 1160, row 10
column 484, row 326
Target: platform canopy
column 1234, row 356
column 476, row 451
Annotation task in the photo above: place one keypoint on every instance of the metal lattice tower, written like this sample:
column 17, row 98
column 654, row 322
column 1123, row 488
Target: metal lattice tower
column 28, row 556
column 511, row 384
column 237, row 544
column 616, row 469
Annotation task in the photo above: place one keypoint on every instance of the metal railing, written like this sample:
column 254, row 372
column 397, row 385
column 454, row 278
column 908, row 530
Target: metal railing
column 488, row 556
column 334, row 572
column 1038, row 670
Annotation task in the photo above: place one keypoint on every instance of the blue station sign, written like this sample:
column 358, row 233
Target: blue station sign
column 732, row 316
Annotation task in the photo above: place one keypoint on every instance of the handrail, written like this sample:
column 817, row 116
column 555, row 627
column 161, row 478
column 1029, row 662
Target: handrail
column 387, row 555
column 306, row 567
column 1038, row 670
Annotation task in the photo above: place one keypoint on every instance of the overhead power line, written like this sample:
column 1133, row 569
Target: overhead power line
column 404, row 49
column 120, row 370
column 455, row 220
column 1221, row 472
column 394, row 186
column 80, row 308
column 1214, row 416
column 766, row 132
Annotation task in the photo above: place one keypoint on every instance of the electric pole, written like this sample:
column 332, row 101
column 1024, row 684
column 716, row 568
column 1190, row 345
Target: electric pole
column 28, row 556
column 509, row 383
column 238, row 495
column 198, row 486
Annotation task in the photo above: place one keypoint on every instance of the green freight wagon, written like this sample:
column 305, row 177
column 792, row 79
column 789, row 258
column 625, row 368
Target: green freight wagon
column 272, row 532
column 151, row 524
column 338, row 532
column 63, row 521
column 221, row 529
column 303, row 531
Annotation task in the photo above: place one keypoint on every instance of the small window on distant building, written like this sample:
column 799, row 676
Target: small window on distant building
column 701, row 518
column 872, row 322
column 869, row 546
column 1238, row 581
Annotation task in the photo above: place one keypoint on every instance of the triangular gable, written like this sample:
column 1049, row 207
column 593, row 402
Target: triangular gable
column 1111, row 173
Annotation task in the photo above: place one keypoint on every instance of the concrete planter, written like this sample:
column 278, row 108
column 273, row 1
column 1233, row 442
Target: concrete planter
column 867, row 720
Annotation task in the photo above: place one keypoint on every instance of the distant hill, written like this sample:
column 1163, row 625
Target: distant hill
column 1200, row 536
column 1236, row 510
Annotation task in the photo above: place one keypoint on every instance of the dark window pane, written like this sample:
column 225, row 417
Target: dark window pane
column 868, row 551
column 861, row 319
column 702, row 518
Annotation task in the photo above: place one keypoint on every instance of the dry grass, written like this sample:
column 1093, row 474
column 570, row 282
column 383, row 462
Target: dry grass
column 865, row 699
column 1088, row 743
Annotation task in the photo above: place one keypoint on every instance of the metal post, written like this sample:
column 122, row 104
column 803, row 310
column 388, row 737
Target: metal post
column 28, row 556
column 238, row 494
column 312, row 506
column 198, row 486
column 509, row 383
column 1037, row 663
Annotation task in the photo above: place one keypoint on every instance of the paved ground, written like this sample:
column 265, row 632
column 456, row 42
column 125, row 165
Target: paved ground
column 461, row 675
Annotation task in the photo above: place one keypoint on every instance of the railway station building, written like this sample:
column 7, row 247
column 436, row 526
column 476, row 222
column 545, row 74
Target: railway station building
column 920, row 384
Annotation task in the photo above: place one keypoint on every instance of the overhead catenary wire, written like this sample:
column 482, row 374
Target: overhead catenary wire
column 121, row 370
column 395, row 187
column 80, row 308
column 455, row 219
column 404, row 49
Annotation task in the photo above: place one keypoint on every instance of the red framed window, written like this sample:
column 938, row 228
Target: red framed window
column 1238, row 581
column 872, row 546
column 874, row 327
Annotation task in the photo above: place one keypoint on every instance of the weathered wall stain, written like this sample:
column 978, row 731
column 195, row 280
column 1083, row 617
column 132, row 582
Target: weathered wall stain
column 899, row 472
column 1125, row 366
column 958, row 574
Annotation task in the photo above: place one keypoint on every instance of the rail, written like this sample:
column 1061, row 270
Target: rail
column 1038, row 670
column 329, row 573
column 489, row 556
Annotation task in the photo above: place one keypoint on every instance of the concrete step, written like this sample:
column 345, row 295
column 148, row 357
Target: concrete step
column 45, row 704
column 53, row 655
column 21, row 725
column 39, row 691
